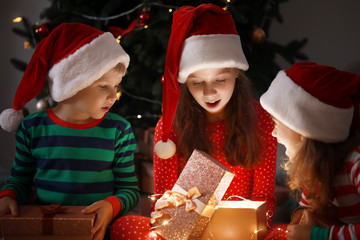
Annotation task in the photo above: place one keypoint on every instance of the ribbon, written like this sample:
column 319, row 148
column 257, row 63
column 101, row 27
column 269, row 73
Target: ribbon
column 48, row 215
column 178, row 197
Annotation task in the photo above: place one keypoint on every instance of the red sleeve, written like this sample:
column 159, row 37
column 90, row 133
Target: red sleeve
column 264, row 173
column 9, row 193
column 116, row 204
column 351, row 231
column 303, row 201
column 165, row 170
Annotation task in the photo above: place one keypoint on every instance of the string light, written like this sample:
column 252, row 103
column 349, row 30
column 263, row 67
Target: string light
column 18, row 19
column 141, row 5
column 27, row 45
column 118, row 40
column 170, row 10
column 118, row 94
column 153, row 235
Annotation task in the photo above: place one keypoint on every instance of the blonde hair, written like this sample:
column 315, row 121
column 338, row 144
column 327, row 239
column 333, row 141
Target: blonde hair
column 314, row 166
column 120, row 69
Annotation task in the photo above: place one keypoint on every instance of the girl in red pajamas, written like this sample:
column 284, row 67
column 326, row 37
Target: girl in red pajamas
column 316, row 114
column 216, row 112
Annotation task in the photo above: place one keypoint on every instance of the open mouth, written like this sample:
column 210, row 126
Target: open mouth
column 105, row 108
column 213, row 104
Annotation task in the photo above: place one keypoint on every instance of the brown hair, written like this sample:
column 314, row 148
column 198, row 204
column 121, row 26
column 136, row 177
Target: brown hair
column 242, row 146
column 314, row 167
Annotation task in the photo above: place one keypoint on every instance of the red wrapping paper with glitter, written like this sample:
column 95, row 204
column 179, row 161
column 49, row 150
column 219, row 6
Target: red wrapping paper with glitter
column 47, row 222
column 184, row 211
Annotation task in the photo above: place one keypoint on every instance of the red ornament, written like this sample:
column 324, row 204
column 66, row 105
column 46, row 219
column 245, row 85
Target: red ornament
column 144, row 18
column 43, row 30
column 162, row 79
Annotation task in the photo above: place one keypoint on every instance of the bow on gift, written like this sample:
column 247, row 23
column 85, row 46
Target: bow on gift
column 48, row 214
column 175, row 199
column 52, row 209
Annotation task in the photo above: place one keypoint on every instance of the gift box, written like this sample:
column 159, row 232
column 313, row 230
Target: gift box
column 237, row 220
column 184, row 211
column 48, row 222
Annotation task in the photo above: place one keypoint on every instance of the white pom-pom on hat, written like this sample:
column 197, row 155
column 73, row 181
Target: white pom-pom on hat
column 10, row 119
column 165, row 150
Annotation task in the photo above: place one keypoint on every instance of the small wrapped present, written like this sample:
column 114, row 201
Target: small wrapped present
column 237, row 220
column 48, row 222
column 184, row 212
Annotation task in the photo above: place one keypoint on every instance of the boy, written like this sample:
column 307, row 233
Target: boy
column 76, row 153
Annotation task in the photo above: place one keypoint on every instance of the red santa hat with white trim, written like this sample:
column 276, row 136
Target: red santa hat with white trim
column 316, row 101
column 201, row 37
column 72, row 57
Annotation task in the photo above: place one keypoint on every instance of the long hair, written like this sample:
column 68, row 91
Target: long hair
column 315, row 166
column 241, row 146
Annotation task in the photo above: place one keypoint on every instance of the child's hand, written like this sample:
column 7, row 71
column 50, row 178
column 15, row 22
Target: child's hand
column 297, row 216
column 302, row 230
column 104, row 212
column 8, row 205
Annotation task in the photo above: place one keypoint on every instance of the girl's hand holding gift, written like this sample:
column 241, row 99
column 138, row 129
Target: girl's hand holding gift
column 302, row 230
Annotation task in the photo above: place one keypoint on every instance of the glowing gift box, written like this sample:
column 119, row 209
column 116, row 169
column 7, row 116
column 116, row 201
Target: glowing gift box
column 52, row 222
column 238, row 220
column 184, row 211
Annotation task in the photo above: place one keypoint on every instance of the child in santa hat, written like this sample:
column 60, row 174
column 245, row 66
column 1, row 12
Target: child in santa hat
column 316, row 113
column 216, row 112
column 76, row 153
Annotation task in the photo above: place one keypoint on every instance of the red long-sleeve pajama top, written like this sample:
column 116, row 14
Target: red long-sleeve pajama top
column 255, row 184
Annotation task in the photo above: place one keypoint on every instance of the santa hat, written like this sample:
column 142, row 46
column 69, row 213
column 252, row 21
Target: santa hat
column 316, row 101
column 72, row 56
column 201, row 37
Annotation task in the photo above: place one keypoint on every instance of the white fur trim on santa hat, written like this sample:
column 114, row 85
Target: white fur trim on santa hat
column 86, row 65
column 10, row 119
column 305, row 114
column 211, row 51
column 165, row 150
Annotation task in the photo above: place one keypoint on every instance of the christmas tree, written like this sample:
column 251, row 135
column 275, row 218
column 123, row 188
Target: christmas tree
column 143, row 28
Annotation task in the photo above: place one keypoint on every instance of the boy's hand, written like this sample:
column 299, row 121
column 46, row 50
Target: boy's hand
column 104, row 212
column 8, row 205
column 302, row 230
